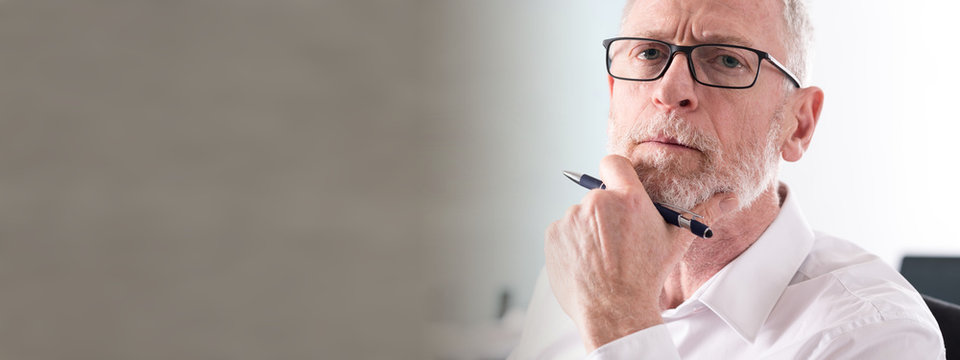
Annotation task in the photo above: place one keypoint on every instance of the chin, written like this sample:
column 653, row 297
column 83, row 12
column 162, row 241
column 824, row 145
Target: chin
column 668, row 163
column 677, row 178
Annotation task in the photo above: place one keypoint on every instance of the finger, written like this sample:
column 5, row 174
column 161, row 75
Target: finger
column 718, row 207
column 572, row 212
column 550, row 235
column 617, row 172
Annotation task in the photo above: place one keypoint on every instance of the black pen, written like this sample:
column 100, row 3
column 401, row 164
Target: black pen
column 671, row 216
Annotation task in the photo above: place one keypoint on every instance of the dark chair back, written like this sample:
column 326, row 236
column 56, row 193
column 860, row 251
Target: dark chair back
column 948, row 317
column 936, row 276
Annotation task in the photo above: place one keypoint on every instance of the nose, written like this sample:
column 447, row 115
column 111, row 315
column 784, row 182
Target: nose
column 675, row 90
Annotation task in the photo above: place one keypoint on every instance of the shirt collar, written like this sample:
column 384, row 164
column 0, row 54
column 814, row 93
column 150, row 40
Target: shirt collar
column 744, row 292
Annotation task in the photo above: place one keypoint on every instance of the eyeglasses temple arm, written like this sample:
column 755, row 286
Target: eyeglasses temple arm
column 780, row 66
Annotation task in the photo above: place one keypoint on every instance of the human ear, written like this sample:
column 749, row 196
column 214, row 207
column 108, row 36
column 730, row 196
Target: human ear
column 804, row 112
column 610, row 80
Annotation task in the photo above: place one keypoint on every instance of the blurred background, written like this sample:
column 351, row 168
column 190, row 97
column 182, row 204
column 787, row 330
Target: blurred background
column 296, row 179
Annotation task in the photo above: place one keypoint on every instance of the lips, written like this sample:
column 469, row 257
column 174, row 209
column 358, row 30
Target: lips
column 666, row 140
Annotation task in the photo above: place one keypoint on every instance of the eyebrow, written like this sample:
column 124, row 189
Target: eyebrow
column 728, row 39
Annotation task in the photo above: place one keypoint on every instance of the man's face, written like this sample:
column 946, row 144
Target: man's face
column 689, row 141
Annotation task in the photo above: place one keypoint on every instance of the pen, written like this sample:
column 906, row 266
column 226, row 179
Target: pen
column 672, row 217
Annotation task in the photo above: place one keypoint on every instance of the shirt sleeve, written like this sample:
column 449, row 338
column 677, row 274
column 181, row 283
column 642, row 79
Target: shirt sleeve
column 650, row 343
column 892, row 339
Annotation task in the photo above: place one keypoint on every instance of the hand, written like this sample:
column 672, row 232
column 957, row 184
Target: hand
column 609, row 256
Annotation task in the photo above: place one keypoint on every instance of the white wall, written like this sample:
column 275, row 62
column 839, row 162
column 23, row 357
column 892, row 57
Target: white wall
column 878, row 172
column 881, row 166
column 524, row 98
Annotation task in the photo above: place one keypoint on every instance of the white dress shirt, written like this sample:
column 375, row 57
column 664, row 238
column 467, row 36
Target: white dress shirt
column 794, row 294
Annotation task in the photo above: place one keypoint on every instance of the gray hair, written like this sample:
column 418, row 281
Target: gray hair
column 797, row 35
column 798, row 38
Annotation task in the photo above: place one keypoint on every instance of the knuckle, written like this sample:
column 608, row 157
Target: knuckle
column 550, row 232
column 589, row 200
column 594, row 198
column 550, row 238
column 637, row 198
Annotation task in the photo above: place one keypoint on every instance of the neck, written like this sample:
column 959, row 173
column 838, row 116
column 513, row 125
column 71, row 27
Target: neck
column 732, row 237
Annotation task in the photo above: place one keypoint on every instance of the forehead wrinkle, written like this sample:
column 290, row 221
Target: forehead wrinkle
column 708, row 38
column 714, row 27
column 689, row 26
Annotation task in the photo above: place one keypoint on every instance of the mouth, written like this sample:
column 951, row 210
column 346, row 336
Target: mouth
column 666, row 141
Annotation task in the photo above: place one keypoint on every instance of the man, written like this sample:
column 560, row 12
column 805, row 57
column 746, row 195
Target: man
column 702, row 126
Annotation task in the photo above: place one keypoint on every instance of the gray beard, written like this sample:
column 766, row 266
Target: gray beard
column 746, row 172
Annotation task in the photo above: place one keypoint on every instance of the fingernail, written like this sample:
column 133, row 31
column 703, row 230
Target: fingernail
column 729, row 204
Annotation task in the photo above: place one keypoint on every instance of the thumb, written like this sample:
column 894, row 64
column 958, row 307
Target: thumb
column 617, row 172
column 718, row 207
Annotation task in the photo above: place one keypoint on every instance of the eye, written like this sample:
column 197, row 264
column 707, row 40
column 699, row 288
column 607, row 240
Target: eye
column 729, row 61
column 649, row 54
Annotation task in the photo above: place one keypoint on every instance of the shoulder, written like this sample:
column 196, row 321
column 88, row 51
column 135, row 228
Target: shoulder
column 840, row 278
column 841, row 290
column 830, row 254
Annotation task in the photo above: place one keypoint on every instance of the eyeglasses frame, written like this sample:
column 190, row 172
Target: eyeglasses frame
column 674, row 49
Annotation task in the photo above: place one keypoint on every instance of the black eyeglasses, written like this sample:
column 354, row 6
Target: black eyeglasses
column 717, row 65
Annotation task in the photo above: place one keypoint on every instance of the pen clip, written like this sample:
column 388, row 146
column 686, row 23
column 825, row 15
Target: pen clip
column 694, row 216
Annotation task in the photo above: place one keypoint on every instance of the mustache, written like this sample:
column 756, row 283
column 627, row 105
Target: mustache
column 673, row 128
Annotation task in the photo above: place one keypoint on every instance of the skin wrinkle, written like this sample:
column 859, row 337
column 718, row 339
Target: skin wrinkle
column 795, row 30
column 750, row 171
